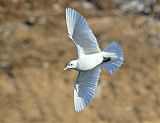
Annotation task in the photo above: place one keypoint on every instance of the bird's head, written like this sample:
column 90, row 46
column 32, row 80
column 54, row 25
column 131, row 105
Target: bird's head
column 71, row 65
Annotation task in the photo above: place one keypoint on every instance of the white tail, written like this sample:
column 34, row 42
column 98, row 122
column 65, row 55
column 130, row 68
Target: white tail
column 114, row 57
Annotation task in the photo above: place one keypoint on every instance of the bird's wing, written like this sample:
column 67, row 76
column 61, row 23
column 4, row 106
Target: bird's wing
column 85, row 88
column 80, row 32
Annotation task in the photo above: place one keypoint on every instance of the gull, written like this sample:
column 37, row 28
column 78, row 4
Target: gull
column 90, row 58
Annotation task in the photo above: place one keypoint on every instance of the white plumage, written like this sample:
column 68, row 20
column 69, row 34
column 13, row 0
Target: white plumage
column 90, row 58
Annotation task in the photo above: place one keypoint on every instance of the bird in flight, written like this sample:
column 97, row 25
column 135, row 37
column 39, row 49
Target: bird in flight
column 90, row 58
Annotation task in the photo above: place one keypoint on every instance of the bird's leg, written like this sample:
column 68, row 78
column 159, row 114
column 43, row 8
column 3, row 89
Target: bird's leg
column 106, row 59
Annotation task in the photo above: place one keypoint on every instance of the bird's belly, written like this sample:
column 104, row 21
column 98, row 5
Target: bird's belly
column 89, row 62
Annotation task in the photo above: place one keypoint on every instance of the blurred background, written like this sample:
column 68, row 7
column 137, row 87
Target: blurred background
column 34, row 49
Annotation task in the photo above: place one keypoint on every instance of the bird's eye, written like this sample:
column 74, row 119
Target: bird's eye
column 71, row 64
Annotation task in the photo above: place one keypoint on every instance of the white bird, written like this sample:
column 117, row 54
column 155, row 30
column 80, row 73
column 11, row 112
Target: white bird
column 90, row 58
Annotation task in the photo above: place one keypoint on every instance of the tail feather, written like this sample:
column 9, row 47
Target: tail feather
column 115, row 52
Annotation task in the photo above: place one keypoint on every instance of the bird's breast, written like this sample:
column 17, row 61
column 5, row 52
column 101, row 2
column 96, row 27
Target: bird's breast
column 89, row 62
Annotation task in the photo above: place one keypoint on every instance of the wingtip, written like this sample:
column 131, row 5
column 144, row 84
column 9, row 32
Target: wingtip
column 79, row 109
column 68, row 8
column 79, row 103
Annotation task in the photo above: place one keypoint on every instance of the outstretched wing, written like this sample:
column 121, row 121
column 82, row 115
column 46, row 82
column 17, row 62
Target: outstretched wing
column 85, row 88
column 80, row 32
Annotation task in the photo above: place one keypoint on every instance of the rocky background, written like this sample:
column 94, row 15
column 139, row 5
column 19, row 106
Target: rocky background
column 34, row 49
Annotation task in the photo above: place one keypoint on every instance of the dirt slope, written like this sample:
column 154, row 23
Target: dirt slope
column 34, row 49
